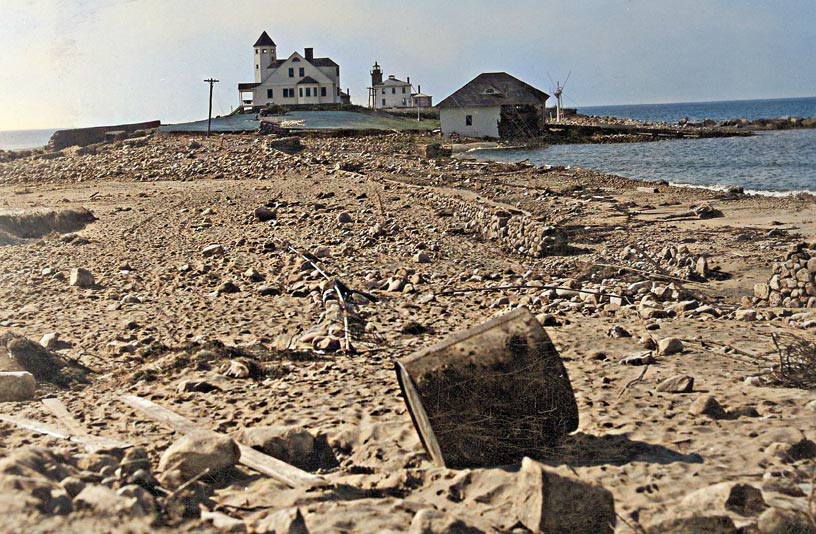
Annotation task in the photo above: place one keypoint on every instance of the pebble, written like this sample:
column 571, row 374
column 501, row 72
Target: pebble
column 677, row 384
column 709, row 406
column 265, row 214
column 641, row 358
column 212, row 250
column 344, row 218
column 50, row 341
column 618, row 331
column 80, row 277
column 669, row 346
column 421, row 257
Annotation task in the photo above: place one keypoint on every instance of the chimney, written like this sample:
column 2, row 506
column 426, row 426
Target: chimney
column 409, row 80
column 309, row 54
column 419, row 88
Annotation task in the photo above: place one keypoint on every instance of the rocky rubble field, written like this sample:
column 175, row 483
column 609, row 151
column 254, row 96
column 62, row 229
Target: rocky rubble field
column 265, row 295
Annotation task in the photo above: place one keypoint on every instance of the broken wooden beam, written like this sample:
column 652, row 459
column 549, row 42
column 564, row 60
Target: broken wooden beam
column 258, row 461
column 91, row 443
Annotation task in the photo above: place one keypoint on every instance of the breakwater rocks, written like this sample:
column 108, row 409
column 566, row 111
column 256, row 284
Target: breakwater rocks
column 677, row 261
column 785, row 123
column 792, row 284
column 514, row 230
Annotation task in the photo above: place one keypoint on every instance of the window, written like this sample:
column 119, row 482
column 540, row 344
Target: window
column 468, row 120
column 383, row 90
column 393, row 90
column 302, row 72
column 263, row 51
column 308, row 91
column 489, row 91
column 301, row 92
column 404, row 101
column 322, row 91
column 257, row 67
column 383, row 102
column 288, row 93
column 291, row 73
column 270, row 93
column 403, row 90
column 256, row 51
column 295, row 60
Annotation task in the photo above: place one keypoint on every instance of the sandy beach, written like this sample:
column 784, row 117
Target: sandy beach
column 241, row 335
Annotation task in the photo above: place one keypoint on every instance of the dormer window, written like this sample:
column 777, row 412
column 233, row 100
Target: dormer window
column 263, row 51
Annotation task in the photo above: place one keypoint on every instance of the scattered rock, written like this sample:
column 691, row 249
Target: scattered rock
column 288, row 521
column 618, row 331
column 224, row 523
column 50, row 341
column 421, row 257
column 433, row 521
column 212, row 250
column 198, row 451
column 641, row 358
column 16, row 386
column 291, row 444
column 695, row 524
column 81, row 278
column 548, row 502
column 742, row 499
column 709, row 406
column 344, row 218
column 782, row 521
column 265, row 214
column 669, row 346
column 677, row 384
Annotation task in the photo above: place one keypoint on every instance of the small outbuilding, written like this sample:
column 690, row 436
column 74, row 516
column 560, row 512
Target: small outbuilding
column 495, row 105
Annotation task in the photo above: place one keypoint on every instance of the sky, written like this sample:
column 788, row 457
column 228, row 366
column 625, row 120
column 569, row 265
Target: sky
column 72, row 63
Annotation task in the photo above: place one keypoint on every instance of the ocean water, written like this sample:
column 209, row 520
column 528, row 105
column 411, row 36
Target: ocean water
column 778, row 162
column 718, row 111
column 24, row 139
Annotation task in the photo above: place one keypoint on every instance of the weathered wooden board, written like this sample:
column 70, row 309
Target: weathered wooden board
column 267, row 465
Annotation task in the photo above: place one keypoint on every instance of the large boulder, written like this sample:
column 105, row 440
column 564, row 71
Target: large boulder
column 737, row 498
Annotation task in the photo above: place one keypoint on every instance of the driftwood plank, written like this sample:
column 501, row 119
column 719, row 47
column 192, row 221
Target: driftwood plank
column 92, row 443
column 78, row 430
column 267, row 465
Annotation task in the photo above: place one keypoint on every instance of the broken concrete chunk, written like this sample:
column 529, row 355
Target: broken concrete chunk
column 198, row 451
column 549, row 502
column 17, row 386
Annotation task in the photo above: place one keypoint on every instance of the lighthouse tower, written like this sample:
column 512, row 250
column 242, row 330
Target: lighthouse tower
column 266, row 51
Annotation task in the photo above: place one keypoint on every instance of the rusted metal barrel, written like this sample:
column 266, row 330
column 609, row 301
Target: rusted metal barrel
column 489, row 395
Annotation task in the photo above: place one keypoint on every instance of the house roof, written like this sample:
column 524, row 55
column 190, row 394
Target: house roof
column 495, row 89
column 392, row 81
column 264, row 40
column 317, row 62
column 421, row 95
column 307, row 79
column 247, row 86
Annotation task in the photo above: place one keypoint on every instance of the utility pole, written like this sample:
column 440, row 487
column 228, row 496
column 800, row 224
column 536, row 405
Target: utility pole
column 211, row 81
